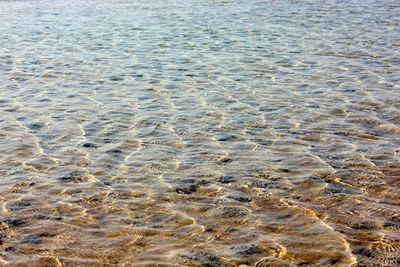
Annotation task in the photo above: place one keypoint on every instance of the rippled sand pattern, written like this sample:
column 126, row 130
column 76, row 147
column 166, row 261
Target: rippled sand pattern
column 199, row 133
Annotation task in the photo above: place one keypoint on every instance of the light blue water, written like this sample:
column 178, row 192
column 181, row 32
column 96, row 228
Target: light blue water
column 199, row 133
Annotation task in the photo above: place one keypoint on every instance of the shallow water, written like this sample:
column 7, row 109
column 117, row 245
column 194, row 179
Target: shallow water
column 199, row 133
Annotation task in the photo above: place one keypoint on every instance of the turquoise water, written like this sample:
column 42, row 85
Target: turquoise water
column 199, row 133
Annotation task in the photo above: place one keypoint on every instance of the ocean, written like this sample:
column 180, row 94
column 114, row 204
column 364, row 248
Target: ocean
column 199, row 133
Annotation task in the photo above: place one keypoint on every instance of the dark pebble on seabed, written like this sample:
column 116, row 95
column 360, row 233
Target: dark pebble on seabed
column 36, row 238
column 248, row 250
column 234, row 212
column 341, row 189
column 332, row 261
column 313, row 106
column 107, row 140
column 241, row 198
column 19, row 205
column 205, row 258
column 395, row 219
column 366, row 226
column 14, row 221
column 73, row 176
column 341, row 133
column 284, row 169
column 231, row 229
column 224, row 161
column 11, row 109
column 226, row 179
column 195, row 182
column 114, row 151
column 262, row 184
column 35, row 126
column 393, row 222
column 116, row 78
column 225, row 138
column 90, row 145
column 304, row 264
column 366, row 252
column 186, row 189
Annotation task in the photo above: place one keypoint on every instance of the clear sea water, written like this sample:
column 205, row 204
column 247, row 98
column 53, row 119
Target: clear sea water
column 200, row 133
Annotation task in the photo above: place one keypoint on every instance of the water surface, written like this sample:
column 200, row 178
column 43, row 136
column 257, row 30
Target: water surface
column 199, row 133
